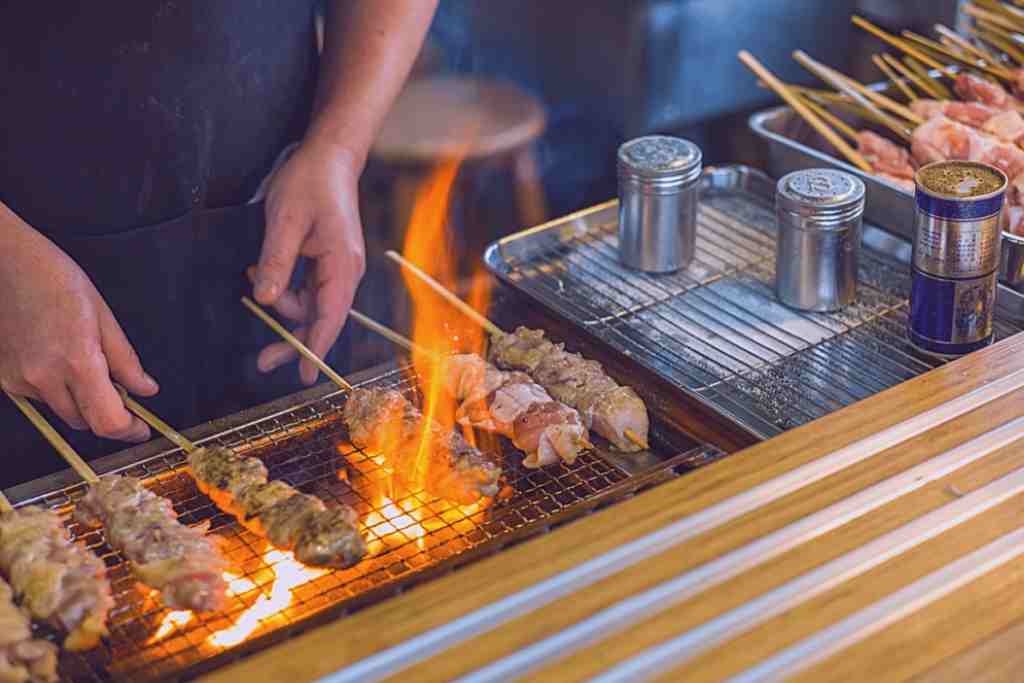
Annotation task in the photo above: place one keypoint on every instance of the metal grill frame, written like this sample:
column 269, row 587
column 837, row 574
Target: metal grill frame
column 736, row 357
column 300, row 444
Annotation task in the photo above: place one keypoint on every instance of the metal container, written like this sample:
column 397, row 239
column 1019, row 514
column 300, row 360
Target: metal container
column 819, row 213
column 658, row 203
column 956, row 257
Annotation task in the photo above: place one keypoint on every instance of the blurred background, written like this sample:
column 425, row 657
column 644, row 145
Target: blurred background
column 533, row 97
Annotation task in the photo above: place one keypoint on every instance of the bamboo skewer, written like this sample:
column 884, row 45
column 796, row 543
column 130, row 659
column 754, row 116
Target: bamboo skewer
column 841, row 83
column 389, row 334
column 916, row 67
column 991, row 17
column 295, row 343
column 925, row 86
column 965, row 45
column 5, row 504
column 69, row 454
column 838, row 80
column 897, row 81
column 479, row 318
column 1000, row 42
column 896, row 42
column 169, row 432
column 830, row 99
column 993, row 69
column 842, row 126
column 794, row 101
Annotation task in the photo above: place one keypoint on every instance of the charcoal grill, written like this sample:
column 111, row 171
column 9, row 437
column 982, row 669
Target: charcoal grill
column 303, row 441
column 715, row 329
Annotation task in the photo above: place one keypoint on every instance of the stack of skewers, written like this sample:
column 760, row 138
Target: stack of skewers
column 952, row 98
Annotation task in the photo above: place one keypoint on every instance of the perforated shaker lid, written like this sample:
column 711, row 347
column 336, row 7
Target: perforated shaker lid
column 660, row 157
column 826, row 196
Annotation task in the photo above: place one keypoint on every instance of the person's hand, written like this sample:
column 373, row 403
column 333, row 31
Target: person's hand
column 59, row 342
column 312, row 210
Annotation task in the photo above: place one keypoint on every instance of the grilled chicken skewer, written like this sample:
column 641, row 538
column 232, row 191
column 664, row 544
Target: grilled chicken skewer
column 23, row 659
column 179, row 561
column 57, row 581
column 615, row 412
column 507, row 403
column 385, row 422
column 291, row 520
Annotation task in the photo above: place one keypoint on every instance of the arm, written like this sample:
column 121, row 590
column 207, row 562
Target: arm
column 312, row 207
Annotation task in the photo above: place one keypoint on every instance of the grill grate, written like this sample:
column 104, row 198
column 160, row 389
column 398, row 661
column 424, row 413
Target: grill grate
column 716, row 328
column 307, row 446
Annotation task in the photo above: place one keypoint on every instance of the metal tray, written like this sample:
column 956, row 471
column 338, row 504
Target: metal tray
column 715, row 329
column 793, row 145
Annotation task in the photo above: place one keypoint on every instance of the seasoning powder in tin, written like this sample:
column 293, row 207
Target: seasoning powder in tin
column 956, row 256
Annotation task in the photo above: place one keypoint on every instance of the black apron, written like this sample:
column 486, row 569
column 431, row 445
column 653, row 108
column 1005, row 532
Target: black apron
column 141, row 172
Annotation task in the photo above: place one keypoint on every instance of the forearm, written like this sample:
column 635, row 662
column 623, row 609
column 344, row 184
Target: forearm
column 369, row 48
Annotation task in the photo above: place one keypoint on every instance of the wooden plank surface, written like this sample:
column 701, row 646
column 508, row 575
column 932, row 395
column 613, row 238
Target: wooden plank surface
column 349, row 640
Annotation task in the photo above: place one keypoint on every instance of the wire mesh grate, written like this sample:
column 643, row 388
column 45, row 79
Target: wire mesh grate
column 716, row 328
column 408, row 536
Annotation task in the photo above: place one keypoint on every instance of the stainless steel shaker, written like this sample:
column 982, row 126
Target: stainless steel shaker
column 819, row 214
column 658, row 202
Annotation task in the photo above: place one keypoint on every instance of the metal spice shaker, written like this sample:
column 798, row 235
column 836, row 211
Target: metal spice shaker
column 819, row 214
column 658, row 202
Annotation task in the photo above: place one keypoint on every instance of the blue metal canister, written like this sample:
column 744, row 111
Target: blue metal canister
column 957, row 237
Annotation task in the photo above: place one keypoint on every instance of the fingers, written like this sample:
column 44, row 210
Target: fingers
column 121, row 357
column 334, row 298
column 100, row 404
column 276, row 355
column 58, row 397
column 286, row 231
column 297, row 306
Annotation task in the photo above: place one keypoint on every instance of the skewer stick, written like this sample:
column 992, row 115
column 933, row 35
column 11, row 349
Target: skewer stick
column 831, row 119
column 896, row 42
column 389, row 334
column 965, row 45
column 156, row 423
column 922, row 72
column 926, row 86
column 5, row 504
column 845, row 84
column 838, row 81
column 56, row 440
column 1000, row 42
column 992, row 69
column 826, row 98
column 487, row 324
column 793, row 100
column 991, row 17
column 445, row 294
column 295, row 343
column 900, row 83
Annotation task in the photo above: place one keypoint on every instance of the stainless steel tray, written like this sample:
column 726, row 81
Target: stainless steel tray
column 793, row 145
column 715, row 329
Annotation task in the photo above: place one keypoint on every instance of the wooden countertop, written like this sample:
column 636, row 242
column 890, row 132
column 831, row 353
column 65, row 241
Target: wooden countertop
column 972, row 633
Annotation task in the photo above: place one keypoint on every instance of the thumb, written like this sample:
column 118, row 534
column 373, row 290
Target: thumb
column 285, row 233
column 121, row 357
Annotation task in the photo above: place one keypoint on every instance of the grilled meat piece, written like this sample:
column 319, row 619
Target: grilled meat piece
column 383, row 422
column 513, row 405
column 611, row 410
column 57, row 581
column 290, row 520
column 22, row 658
column 181, row 562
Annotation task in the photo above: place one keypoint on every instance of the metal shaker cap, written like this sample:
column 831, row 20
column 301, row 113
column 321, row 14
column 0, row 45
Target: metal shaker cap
column 820, row 198
column 660, row 159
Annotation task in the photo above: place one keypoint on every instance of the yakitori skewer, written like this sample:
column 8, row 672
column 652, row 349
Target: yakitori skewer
column 180, row 561
column 289, row 519
column 926, row 85
column 953, row 39
column 613, row 411
column 791, row 98
column 996, row 18
column 1000, row 40
column 894, row 77
column 386, row 423
column 897, row 42
column 940, row 49
column 506, row 403
column 23, row 658
column 57, row 581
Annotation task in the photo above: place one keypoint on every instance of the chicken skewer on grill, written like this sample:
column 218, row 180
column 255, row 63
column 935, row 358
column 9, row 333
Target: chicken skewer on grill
column 385, row 422
column 613, row 411
column 58, row 582
column 23, row 659
column 507, row 403
column 291, row 520
column 179, row 561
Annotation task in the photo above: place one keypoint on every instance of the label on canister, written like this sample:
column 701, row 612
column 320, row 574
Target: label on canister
column 951, row 317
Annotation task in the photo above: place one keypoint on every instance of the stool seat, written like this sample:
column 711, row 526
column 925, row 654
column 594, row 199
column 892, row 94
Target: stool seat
column 443, row 117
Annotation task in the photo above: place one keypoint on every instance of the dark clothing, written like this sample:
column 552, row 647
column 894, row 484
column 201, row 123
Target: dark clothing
column 134, row 140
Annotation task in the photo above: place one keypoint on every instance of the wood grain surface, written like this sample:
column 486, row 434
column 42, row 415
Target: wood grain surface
column 957, row 635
